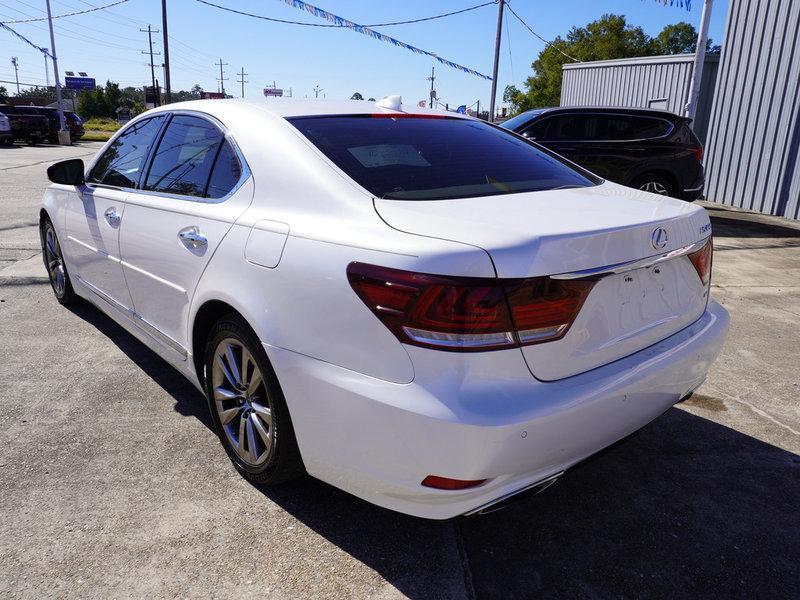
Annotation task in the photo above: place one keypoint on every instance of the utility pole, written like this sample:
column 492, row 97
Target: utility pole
column 62, row 122
column 46, row 69
column 501, row 5
column 15, row 62
column 167, row 88
column 150, row 32
column 699, row 59
column 317, row 90
column 242, row 80
column 222, row 78
column 432, row 78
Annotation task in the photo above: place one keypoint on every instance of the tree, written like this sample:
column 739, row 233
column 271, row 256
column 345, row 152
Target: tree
column 48, row 94
column 357, row 96
column 680, row 38
column 371, row 99
column 3, row 94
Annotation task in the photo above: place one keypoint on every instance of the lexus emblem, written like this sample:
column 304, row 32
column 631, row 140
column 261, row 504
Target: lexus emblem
column 659, row 238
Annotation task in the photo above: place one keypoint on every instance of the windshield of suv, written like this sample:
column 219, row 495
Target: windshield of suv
column 412, row 157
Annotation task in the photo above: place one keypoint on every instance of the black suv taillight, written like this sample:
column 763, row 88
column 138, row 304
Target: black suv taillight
column 466, row 314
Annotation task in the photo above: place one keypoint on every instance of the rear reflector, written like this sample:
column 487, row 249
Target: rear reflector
column 697, row 151
column 468, row 314
column 445, row 483
column 701, row 259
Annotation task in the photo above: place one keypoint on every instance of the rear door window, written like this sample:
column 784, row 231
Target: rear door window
column 121, row 164
column 417, row 158
column 567, row 127
column 185, row 156
column 628, row 127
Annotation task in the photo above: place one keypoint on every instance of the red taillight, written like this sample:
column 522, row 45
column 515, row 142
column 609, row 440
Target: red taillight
column 468, row 314
column 698, row 152
column 445, row 483
column 701, row 259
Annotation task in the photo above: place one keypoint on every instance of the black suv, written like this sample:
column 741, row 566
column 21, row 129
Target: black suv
column 651, row 150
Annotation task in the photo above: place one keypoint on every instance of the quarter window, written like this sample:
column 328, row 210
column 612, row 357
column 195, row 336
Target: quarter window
column 122, row 163
column 226, row 174
column 185, row 156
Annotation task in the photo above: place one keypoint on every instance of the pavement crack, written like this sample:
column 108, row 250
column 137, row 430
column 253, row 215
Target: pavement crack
column 463, row 557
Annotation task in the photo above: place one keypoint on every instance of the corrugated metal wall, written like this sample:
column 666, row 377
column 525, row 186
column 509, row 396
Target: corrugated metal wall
column 752, row 157
column 648, row 82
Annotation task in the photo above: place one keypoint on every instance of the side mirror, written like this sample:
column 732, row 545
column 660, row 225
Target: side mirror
column 66, row 172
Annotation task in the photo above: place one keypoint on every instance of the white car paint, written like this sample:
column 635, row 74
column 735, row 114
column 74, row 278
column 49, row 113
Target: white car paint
column 372, row 415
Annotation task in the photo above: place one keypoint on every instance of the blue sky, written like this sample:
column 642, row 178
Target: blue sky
column 107, row 44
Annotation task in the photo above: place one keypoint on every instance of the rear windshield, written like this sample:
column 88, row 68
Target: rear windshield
column 419, row 158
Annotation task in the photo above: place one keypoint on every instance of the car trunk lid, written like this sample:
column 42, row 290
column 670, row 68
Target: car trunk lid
column 575, row 230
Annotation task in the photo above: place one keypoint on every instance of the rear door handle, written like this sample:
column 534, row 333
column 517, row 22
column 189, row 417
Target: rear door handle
column 112, row 216
column 192, row 238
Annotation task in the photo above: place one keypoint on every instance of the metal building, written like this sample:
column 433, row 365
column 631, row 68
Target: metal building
column 752, row 158
column 648, row 82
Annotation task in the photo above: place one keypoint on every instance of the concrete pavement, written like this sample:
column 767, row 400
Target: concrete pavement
column 112, row 484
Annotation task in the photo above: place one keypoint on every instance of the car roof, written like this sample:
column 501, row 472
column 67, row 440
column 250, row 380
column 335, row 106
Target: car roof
column 603, row 109
column 291, row 107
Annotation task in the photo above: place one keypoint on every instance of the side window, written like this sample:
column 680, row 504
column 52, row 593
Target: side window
column 184, row 157
column 537, row 130
column 645, row 127
column 567, row 127
column 122, row 163
column 226, row 174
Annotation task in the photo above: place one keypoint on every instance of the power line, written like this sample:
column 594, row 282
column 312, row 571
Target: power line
column 72, row 14
column 338, row 25
column 548, row 43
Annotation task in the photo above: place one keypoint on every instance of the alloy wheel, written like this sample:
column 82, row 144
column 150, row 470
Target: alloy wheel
column 242, row 403
column 654, row 187
column 55, row 261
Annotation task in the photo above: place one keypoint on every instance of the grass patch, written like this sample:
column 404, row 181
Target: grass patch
column 96, row 136
column 101, row 124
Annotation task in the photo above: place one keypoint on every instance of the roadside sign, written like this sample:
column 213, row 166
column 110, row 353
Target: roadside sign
column 79, row 83
column 276, row 92
column 212, row 95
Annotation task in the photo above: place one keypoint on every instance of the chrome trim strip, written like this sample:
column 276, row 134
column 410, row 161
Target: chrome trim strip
column 152, row 276
column 543, row 484
column 632, row 265
column 694, row 189
column 145, row 326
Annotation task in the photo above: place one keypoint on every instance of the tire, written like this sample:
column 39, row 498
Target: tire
column 655, row 184
column 54, row 263
column 257, row 432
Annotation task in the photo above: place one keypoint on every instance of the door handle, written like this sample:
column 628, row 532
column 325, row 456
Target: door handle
column 112, row 216
column 192, row 238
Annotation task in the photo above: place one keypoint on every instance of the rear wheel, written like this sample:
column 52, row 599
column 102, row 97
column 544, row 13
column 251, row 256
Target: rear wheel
column 655, row 184
column 54, row 262
column 247, row 406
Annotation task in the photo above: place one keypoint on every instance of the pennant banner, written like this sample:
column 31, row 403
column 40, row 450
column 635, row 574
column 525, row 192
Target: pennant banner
column 682, row 3
column 324, row 14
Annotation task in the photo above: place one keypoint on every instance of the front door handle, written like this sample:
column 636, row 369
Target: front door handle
column 112, row 216
column 192, row 238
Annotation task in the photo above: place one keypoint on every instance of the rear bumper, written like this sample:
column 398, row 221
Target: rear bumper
column 378, row 440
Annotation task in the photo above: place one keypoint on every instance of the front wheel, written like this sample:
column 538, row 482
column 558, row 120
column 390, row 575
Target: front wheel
column 54, row 262
column 247, row 406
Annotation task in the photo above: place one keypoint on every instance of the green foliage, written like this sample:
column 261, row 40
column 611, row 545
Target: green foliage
column 356, row 96
column 48, row 94
column 3, row 94
column 607, row 38
column 101, row 124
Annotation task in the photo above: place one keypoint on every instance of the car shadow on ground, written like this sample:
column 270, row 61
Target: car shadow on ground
column 729, row 223
column 686, row 507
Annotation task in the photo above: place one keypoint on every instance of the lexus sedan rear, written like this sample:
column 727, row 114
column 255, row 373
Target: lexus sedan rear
column 420, row 308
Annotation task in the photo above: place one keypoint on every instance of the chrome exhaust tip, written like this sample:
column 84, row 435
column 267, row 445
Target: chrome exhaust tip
column 512, row 497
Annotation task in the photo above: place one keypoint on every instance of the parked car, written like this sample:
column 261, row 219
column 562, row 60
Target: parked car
column 26, row 123
column 6, row 135
column 420, row 308
column 651, row 150
column 75, row 125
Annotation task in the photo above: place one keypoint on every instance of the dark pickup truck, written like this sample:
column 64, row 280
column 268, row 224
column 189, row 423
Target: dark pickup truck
column 26, row 123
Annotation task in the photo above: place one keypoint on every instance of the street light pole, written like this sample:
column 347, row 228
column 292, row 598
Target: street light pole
column 699, row 59
column 59, row 102
column 15, row 62
column 167, row 88
column 501, row 5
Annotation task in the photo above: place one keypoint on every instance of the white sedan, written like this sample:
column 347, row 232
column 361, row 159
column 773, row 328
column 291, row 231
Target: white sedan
column 420, row 308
